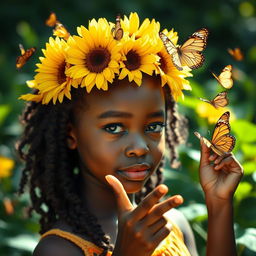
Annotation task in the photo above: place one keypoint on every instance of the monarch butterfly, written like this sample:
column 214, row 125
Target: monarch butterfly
column 225, row 77
column 24, row 57
column 117, row 30
column 236, row 53
column 52, row 20
column 59, row 29
column 220, row 100
column 222, row 142
column 189, row 54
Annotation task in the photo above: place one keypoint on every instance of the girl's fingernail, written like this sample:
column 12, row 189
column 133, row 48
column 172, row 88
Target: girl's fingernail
column 163, row 189
column 178, row 200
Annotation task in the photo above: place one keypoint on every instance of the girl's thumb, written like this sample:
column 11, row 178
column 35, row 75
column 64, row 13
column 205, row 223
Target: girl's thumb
column 123, row 200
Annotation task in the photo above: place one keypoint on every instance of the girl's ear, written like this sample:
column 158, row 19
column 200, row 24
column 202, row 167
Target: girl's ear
column 71, row 138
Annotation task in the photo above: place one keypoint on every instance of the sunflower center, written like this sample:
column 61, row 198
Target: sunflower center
column 133, row 61
column 97, row 60
column 61, row 76
column 163, row 63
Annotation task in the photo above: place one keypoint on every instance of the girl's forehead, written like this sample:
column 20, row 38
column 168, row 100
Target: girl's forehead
column 126, row 95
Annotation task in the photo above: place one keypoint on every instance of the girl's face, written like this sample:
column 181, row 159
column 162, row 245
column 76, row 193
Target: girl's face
column 121, row 132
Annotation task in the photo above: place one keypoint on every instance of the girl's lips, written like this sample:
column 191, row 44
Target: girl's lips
column 135, row 172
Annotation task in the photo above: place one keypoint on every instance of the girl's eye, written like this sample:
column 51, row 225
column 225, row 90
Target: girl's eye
column 114, row 128
column 155, row 127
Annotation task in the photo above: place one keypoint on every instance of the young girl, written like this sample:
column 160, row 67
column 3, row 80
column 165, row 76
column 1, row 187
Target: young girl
column 94, row 157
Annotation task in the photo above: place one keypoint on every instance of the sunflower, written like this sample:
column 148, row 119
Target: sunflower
column 133, row 27
column 138, row 56
column 169, row 73
column 94, row 55
column 51, row 81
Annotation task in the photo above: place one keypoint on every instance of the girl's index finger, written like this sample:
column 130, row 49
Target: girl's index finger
column 150, row 201
column 123, row 200
column 205, row 153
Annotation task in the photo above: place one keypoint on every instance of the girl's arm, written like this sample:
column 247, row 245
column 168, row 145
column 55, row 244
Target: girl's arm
column 219, row 177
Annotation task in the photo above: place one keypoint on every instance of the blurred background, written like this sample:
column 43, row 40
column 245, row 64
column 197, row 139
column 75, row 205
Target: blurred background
column 232, row 23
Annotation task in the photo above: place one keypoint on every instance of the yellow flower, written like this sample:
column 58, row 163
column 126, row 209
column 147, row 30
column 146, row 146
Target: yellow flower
column 138, row 56
column 6, row 165
column 94, row 55
column 132, row 26
column 169, row 73
column 206, row 110
column 51, row 81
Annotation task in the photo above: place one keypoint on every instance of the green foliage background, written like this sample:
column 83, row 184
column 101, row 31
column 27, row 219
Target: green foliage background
column 232, row 23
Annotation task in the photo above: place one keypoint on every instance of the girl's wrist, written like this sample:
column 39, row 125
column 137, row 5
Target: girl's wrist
column 218, row 205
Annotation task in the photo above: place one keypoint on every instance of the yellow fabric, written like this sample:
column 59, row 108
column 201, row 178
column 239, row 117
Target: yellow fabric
column 173, row 245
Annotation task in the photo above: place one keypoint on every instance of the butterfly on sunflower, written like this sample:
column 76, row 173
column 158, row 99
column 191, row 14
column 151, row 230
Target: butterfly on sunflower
column 236, row 53
column 222, row 141
column 190, row 53
column 24, row 57
column 117, row 30
column 220, row 100
column 225, row 77
column 59, row 29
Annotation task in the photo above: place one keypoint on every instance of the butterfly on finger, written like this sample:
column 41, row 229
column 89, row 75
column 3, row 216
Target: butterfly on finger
column 190, row 53
column 24, row 57
column 222, row 141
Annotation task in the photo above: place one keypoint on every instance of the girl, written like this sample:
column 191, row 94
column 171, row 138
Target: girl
column 94, row 157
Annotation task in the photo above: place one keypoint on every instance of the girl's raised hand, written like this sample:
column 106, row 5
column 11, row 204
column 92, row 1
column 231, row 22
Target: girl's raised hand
column 219, row 175
column 141, row 228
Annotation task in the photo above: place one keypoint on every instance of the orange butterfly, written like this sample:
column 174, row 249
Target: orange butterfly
column 236, row 53
column 222, row 142
column 117, row 30
column 24, row 57
column 189, row 54
column 220, row 100
column 59, row 29
column 52, row 20
column 225, row 77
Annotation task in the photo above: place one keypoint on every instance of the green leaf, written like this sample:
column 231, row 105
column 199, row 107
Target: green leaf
column 243, row 190
column 249, row 150
column 194, row 211
column 245, row 131
column 248, row 239
column 249, row 167
column 24, row 242
column 4, row 111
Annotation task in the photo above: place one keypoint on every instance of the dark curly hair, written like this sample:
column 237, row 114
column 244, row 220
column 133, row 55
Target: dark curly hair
column 51, row 167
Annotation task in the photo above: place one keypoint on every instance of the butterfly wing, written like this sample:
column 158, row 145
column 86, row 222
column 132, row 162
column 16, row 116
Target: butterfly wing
column 52, row 20
column 222, row 141
column 172, row 50
column 24, row 57
column 220, row 100
column 117, row 30
column 236, row 54
column 225, row 77
column 190, row 51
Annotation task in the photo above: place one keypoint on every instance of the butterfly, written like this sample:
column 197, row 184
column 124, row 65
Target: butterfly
column 59, row 29
column 236, row 53
column 225, row 77
column 189, row 54
column 117, row 30
column 52, row 20
column 24, row 57
column 222, row 141
column 220, row 100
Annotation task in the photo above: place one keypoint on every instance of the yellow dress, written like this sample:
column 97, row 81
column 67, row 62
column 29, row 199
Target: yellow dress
column 173, row 245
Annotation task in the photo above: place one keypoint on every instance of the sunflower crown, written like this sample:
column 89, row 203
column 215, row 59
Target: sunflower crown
column 98, row 55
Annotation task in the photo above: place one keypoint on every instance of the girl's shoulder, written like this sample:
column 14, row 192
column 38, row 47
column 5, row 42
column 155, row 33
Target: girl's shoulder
column 56, row 246
column 175, row 216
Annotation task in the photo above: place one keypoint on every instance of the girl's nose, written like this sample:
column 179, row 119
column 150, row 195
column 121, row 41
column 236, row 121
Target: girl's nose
column 137, row 146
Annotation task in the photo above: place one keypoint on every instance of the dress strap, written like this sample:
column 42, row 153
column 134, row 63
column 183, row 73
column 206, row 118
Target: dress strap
column 88, row 248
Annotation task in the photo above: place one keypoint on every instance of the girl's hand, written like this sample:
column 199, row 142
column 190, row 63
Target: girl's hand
column 219, row 175
column 141, row 229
